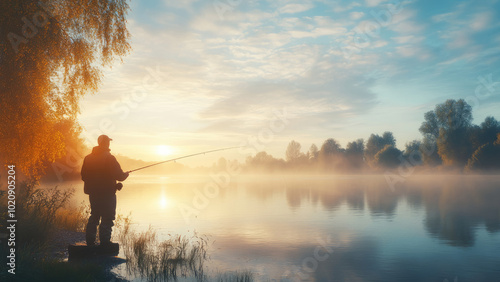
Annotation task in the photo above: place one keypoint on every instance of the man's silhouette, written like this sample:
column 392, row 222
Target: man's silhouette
column 100, row 171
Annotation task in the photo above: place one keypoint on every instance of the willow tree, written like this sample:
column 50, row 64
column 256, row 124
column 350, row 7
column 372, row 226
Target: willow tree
column 52, row 53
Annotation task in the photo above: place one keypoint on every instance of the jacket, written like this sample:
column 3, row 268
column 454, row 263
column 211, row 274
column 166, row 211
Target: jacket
column 100, row 171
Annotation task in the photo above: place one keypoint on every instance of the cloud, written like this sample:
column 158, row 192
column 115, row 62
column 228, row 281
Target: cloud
column 295, row 8
column 407, row 50
column 408, row 39
column 379, row 43
column 311, row 102
column 459, row 39
column 317, row 32
column 338, row 8
column 356, row 15
column 481, row 21
column 373, row 3
column 443, row 17
column 184, row 4
column 227, row 75
column 463, row 29
column 404, row 23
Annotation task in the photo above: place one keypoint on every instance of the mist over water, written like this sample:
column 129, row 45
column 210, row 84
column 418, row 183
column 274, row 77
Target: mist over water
column 330, row 228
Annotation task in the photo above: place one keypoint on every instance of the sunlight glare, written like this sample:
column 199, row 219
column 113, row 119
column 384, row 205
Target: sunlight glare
column 164, row 150
column 164, row 202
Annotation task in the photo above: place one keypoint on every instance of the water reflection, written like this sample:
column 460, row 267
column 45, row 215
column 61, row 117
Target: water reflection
column 453, row 210
column 426, row 229
column 457, row 208
column 454, row 206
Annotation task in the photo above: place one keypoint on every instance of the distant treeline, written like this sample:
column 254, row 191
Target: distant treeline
column 450, row 140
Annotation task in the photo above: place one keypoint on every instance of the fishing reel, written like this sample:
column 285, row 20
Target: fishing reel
column 119, row 186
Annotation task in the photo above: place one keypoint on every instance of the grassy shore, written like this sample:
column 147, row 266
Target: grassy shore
column 40, row 213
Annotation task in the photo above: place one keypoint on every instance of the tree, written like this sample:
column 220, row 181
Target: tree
column 68, row 166
column 484, row 134
column 355, row 153
column 429, row 152
column 475, row 136
column 355, row 147
column 54, row 54
column 330, row 147
column 430, row 131
column 486, row 157
column 388, row 138
column 293, row 151
column 454, row 147
column 450, row 115
column 262, row 161
column 430, row 127
column 448, row 127
column 412, row 152
column 376, row 143
column 330, row 153
column 313, row 152
column 489, row 129
column 222, row 164
column 388, row 157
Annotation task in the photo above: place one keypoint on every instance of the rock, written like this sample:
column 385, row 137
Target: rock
column 84, row 251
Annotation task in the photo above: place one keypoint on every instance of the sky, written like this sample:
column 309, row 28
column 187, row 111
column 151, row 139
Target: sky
column 204, row 75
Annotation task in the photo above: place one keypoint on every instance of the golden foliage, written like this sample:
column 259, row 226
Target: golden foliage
column 52, row 53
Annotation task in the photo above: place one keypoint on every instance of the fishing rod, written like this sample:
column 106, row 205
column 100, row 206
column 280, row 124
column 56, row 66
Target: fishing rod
column 183, row 157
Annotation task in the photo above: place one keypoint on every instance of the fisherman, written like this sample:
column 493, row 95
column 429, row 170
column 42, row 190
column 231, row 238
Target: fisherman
column 100, row 171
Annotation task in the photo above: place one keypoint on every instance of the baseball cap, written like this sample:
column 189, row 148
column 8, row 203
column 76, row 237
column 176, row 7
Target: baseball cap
column 103, row 138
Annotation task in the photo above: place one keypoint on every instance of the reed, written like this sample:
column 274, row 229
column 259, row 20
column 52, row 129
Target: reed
column 39, row 212
column 170, row 259
column 73, row 218
column 165, row 260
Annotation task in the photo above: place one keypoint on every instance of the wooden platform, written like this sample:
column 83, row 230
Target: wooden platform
column 84, row 251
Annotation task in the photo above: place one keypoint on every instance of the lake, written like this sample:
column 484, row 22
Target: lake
column 328, row 228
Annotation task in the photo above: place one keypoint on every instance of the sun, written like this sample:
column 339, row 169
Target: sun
column 164, row 202
column 164, row 150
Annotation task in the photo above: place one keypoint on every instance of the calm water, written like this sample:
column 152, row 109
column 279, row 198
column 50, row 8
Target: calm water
column 349, row 228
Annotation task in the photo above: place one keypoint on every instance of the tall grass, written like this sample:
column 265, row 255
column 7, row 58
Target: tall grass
column 245, row 276
column 166, row 260
column 38, row 213
column 36, row 210
column 73, row 218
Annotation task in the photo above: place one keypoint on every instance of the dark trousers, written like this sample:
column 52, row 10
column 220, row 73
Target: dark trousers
column 103, row 209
